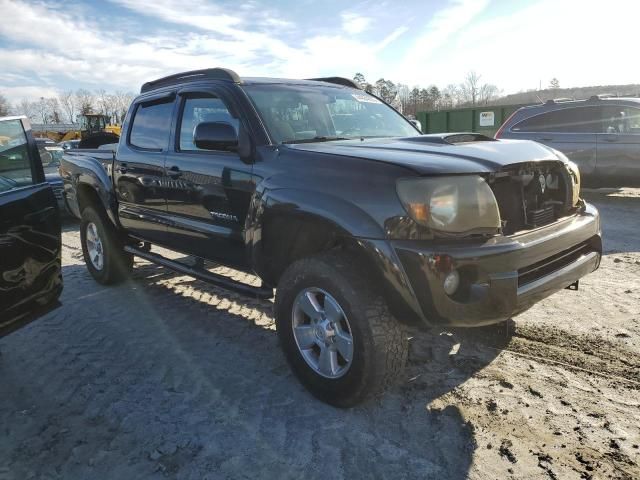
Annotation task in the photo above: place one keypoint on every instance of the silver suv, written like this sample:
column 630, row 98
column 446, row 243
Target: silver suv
column 601, row 135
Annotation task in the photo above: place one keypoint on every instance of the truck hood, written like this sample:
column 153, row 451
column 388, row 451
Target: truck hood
column 435, row 154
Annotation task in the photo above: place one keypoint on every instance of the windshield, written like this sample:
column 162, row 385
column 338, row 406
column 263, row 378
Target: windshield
column 299, row 113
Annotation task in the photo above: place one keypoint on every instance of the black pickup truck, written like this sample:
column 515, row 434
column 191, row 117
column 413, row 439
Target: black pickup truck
column 361, row 223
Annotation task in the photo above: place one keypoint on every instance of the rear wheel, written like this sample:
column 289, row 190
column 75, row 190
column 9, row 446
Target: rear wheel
column 337, row 334
column 102, row 249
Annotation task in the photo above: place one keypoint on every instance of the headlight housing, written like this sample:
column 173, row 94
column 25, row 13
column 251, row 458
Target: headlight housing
column 453, row 204
column 574, row 171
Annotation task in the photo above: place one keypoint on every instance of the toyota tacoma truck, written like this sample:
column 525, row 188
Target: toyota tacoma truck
column 360, row 223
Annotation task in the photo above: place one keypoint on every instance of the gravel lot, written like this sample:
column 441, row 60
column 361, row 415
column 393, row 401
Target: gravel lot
column 167, row 377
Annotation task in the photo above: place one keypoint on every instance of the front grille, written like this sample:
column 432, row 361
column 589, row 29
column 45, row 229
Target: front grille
column 533, row 272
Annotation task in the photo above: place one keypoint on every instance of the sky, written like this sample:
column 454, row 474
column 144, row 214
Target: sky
column 47, row 46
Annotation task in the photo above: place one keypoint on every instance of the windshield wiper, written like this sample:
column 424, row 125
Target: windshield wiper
column 317, row 139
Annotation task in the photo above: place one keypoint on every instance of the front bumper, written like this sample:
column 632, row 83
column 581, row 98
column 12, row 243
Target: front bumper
column 503, row 276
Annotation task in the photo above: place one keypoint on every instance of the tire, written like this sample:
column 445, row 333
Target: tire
column 115, row 263
column 378, row 345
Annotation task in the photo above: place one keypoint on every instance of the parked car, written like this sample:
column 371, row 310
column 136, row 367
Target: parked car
column 361, row 228
column 30, row 238
column 69, row 144
column 601, row 135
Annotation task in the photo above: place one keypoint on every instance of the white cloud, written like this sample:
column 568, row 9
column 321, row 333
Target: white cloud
column 528, row 46
column 392, row 37
column 438, row 31
column 515, row 48
column 354, row 24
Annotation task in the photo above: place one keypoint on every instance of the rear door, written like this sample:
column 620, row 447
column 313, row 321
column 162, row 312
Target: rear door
column 208, row 192
column 139, row 174
column 30, row 238
column 619, row 147
column 572, row 130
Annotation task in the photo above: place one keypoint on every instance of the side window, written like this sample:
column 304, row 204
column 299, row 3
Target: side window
column 151, row 125
column 619, row 119
column 201, row 109
column 15, row 163
column 566, row 120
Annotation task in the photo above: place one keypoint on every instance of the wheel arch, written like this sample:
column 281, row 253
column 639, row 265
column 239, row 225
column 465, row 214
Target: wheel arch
column 294, row 224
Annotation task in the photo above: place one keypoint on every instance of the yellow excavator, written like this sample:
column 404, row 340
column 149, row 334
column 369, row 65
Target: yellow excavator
column 95, row 130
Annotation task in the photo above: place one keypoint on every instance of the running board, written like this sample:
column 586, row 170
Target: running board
column 201, row 274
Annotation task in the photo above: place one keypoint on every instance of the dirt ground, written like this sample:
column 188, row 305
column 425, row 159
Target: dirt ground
column 167, row 377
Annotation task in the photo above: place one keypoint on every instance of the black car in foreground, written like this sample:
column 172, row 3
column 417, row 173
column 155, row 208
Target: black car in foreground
column 30, row 241
column 331, row 197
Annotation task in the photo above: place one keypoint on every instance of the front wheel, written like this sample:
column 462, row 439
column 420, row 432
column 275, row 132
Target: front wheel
column 336, row 332
column 102, row 249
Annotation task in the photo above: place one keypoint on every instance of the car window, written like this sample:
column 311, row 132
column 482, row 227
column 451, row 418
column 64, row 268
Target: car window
column 151, row 124
column 15, row 162
column 201, row 109
column 566, row 120
column 619, row 119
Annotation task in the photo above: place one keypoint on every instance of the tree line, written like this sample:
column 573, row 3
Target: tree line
column 410, row 100
column 66, row 107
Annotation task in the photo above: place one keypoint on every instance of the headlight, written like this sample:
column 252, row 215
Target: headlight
column 450, row 204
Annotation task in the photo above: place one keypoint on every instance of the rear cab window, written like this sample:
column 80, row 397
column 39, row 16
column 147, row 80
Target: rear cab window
column 151, row 125
column 16, row 168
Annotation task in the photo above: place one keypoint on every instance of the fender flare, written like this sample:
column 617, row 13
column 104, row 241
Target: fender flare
column 347, row 220
column 89, row 172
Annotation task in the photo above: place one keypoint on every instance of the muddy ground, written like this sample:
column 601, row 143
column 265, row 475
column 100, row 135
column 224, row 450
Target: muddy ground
column 167, row 377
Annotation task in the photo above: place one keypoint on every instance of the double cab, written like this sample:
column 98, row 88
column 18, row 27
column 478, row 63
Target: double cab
column 360, row 223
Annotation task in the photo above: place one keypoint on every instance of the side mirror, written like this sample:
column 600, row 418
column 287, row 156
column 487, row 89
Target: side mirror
column 417, row 124
column 215, row 136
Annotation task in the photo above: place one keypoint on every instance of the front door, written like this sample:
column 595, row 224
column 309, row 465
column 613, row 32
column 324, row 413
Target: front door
column 139, row 169
column 619, row 147
column 208, row 192
column 30, row 239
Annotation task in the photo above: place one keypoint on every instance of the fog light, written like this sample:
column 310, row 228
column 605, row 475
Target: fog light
column 451, row 282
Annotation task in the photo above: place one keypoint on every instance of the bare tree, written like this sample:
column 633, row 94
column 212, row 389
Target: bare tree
column 451, row 96
column 470, row 88
column 83, row 101
column 554, row 83
column 5, row 108
column 53, row 110
column 488, row 92
column 27, row 108
column 67, row 104
column 122, row 101
column 42, row 109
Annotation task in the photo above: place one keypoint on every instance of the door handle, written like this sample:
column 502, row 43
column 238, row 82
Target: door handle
column 122, row 168
column 610, row 138
column 546, row 139
column 174, row 172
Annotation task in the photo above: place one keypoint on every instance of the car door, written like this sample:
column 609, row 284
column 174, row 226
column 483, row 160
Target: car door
column 572, row 130
column 30, row 235
column 619, row 147
column 139, row 170
column 208, row 191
